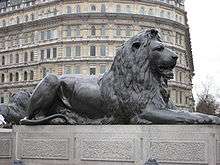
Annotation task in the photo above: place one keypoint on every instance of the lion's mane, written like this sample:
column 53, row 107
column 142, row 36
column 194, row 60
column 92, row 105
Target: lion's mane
column 130, row 84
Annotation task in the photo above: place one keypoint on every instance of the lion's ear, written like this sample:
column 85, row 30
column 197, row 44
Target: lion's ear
column 136, row 45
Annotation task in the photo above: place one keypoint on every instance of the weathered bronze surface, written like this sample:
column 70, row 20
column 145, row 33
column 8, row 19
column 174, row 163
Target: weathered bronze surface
column 133, row 91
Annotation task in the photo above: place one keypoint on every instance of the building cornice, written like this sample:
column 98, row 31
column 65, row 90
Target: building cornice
column 86, row 16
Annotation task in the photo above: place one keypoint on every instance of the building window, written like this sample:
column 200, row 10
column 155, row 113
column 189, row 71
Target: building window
column 25, row 57
column 68, row 31
column 68, row 51
column 32, row 56
column 3, row 60
column 102, row 69
column 103, row 30
column 92, row 51
column 2, row 99
column 31, row 75
column 69, row 9
column 26, row 18
column 162, row 13
column 93, row 31
column 49, row 34
column 177, row 97
column 25, row 75
column 118, row 8
column 180, row 76
column 78, row 50
column 128, row 31
column 42, row 54
column 103, row 8
column 78, row 9
column 150, row 12
column 77, row 31
column 181, row 97
column 17, row 58
column 142, row 10
column 128, row 9
column 93, row 8
column 17, row 20
column 10, row 77
column 11, row 58
column 16, row 76
column 42, row 35
column 48, row 53
column 92, row 71
column 3, row 78
column 3, row 23
column 103, row 50
column 76, row 70
column 54, row 52
column 118, row 31
column 168, row 15
column 67, row 70
column 32, row 17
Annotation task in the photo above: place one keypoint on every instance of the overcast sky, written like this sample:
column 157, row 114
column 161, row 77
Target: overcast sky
column 204, row 22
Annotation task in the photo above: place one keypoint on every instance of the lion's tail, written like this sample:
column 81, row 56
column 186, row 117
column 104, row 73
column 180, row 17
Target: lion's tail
column 44, row 120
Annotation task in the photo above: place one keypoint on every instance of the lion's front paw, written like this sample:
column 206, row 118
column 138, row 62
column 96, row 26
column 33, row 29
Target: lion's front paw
column 140, row 121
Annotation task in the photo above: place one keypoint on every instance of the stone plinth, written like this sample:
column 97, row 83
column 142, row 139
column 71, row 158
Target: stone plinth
column 6, row 146
column 117, row 144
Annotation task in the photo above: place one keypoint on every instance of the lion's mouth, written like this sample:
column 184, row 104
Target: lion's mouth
column 166, row 71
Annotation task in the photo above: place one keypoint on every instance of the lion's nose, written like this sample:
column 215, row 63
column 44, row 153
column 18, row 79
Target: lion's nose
column 175, row 57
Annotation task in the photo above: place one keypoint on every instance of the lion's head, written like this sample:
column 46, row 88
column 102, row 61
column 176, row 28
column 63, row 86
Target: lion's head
column 139, row 71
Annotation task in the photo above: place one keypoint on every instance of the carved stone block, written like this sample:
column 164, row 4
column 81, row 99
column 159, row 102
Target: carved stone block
column 45, row 149
column 179, row 151
column 5, row 148
column 218, row 152
column 111, row 150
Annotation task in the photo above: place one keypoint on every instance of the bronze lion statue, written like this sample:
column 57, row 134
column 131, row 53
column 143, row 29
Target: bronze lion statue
column 133, row 91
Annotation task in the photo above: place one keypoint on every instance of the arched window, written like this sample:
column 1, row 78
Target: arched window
column 69, row 9
column 25, row 75
column 103, row 8
column 142, row 11
column 118, row 8
column 16, row 76
column 93, row 8
column 25, row 57
column 31, row 75
column 10, row 77
column 17, row 58
column 3, row 60
column 3, row 78
column 93, row 31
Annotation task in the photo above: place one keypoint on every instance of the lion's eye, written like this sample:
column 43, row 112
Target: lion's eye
column 158, row 48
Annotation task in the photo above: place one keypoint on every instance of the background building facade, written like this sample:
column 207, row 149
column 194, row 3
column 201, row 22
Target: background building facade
column 81, row 37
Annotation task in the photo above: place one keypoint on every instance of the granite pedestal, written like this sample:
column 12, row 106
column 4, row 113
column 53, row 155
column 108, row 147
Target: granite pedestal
column 113, row 144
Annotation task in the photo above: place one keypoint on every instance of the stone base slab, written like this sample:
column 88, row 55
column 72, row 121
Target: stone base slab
column 117, row 144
